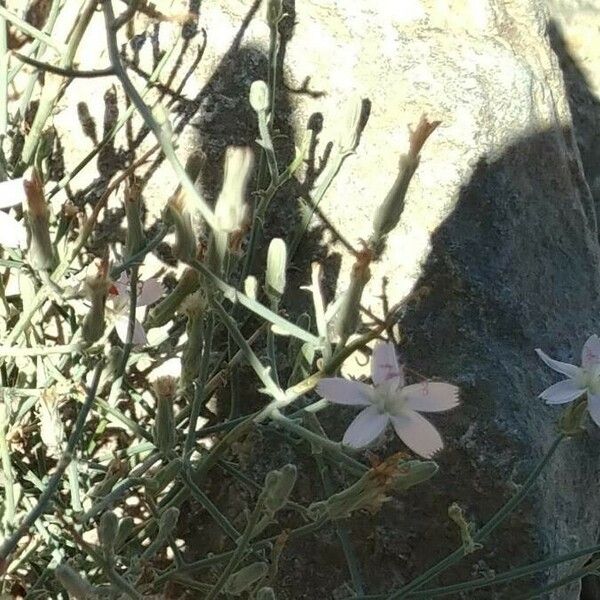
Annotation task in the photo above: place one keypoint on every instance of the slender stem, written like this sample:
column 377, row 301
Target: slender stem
column 71, row 73
column 233, row 295
column 9, row 481
column 242, row 547
column 482, row 533
column 162, row 133
column 11, row 543
column 32, row 31
column 3, row 79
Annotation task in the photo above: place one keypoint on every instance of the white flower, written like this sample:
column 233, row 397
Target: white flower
column 12, row 232
column 581, row 380
column 388, row 399
column 149, row 292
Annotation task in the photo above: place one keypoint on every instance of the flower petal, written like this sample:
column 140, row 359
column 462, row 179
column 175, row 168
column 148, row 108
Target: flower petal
column 564, row 368
column 384, row 363
column 594, row 407
column 368, row 425
column 139, row 335
column 590, row 354
column 562, row 392
column 418, row 433
column 121, row 285
column 12, row 193
column 12, row 232
column 345, row 391
column 151, row 291
column 431, row 396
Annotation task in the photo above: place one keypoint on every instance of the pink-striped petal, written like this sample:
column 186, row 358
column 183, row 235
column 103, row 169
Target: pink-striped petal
column 12, row 232
column 431, row 396
column 590, row 354
column 139, row 335
column 366, row 427
column 418, row 433
column 384, row 364
column 594, row 407
column 151, row 291
column 564, row 368
column 345, row 391
column 12, row 193
column 562, row 392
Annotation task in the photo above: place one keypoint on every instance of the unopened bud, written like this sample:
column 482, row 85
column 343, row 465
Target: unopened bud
column 133, row 211
column 251, row 287
column 195, row 307
column 40, row 251
column 259, row 96
column 165, row 390
column 126, row 529
column 388, row 214
column 279, row 486
column 276, row 269
column 107, row 531
column 265, row 593
column 231, row 209
column 244, row 578
column 96, row 289
column 178, row 215
column 455, row 512
column 274, row 12
column 349, row 314
column 350, row 126
column 572, row 419
column 163, row 312
column 77, row 587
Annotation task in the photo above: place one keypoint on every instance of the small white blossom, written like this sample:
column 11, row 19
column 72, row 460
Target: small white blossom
column 581, row 380
column 390, row 400
column 149, row 292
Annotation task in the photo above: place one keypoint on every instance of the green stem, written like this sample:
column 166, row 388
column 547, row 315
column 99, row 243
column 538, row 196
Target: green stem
column 10, row 544
column 9, row 481
column 32, row 31
column 162, row 134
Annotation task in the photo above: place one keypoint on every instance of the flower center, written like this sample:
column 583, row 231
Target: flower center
column 590, row 379
column 388, row 398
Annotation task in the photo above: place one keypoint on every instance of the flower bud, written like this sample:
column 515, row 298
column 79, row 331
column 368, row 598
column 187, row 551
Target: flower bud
column 251, row 287
column 455, row 513
column 135, row 239
column 178, row 215
column 40, row 251
column 349, row 313
column 77, row 587
column 388, row 214
column 245, row 577
column 126, row 529
column 231, row 209
column 259, row 96
column 279, row 486
column 107, row 532
column 165, row 310
column 265, row 593
column 165, row 390
column 276, row 269
column 572, row 420
column 195, row 306
column 96, row 289
column 350, row 126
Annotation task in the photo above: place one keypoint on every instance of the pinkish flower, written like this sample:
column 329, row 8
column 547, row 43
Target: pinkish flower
column 580, row 380
column 148, row 292
column 390, row 400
